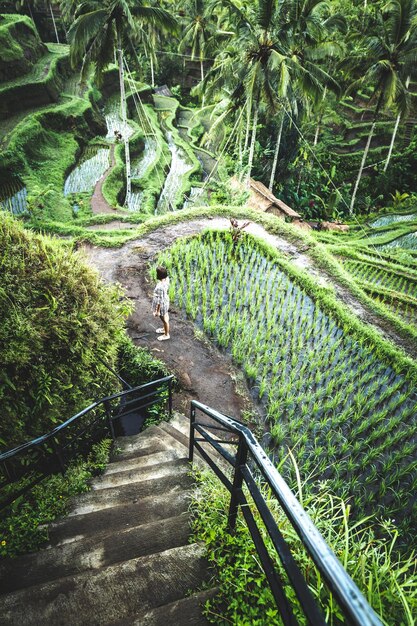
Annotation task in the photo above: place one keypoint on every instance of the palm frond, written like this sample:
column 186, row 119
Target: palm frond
column 83, row 31
column 154, row 15
column 266, row 9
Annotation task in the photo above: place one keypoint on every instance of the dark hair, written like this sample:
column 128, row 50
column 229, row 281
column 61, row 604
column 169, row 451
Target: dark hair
column 161, row 272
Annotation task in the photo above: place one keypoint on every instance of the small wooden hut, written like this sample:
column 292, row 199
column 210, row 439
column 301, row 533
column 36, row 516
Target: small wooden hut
column 261, row 199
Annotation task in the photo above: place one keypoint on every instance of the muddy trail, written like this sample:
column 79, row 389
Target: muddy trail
column 99, row 203
column 204, row 372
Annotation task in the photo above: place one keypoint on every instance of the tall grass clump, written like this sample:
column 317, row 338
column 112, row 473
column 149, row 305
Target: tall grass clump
column 388, row 581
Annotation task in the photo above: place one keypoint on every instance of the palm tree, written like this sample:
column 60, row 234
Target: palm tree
column 274, row 57
column 244, row 67
column 405, row 14
column 197, row 33
column 102, row 28
column 390, row 57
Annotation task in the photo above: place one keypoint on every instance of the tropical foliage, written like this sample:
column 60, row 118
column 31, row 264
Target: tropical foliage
column 58, row 321
column 314, row 98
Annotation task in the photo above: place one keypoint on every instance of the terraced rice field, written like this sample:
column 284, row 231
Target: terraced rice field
column 386, row 220
column 114, row 121
column 13, row 197
column 347, row 413
column 406, row 242
column 148, row 156
column 375, row 275
column 134, row 202
column 179, row 167
column 196, row 197
column 391, row 284
column 84, row 176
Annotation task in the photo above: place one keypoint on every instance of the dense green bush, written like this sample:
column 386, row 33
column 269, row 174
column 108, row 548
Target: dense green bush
column 37, row 88
column 136, row 365
column 58, row 320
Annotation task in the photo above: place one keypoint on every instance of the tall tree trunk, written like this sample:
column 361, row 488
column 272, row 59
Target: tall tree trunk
column 252, row 143
column 152, row 72
column 316, row 134
column 124, row 116
column 365, row 153
column 364, row 157
column 248, row 112
column 388, row 159
column 247, row 134
column 240, row 144
column 30, row 10
column 54, row 23
column 276, row 153
column 394, row 134
column 202, row 78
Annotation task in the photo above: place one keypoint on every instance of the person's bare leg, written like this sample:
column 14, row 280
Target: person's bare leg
column 166, row 327
column 165, row 322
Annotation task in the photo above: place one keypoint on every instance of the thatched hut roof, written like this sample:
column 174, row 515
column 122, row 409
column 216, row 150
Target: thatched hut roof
column 262, row 199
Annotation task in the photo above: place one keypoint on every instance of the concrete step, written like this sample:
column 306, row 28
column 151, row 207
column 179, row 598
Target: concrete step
column 143, row 444
column 114, row 519
column 113, row 593
column 130, row 493
column 176, row 434
column 155, row 458
column 138, row 474
column 181, row 423
column 185, row 612
column 92, row 553
column 153, row 444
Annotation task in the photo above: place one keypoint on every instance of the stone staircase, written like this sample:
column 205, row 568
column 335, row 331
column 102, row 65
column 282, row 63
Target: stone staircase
column 122, row 556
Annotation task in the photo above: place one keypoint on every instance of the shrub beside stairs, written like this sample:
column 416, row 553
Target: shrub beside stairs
column 122, row 556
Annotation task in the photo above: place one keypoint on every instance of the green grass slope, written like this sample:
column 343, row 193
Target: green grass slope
column 20, row 46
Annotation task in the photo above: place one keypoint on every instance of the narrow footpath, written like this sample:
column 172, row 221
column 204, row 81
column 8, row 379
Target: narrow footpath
column 99, row 203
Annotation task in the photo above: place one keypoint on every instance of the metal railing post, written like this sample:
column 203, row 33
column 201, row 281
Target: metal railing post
column 170, row 397
column 191, row 444
column 107, row 408
column 241, row 457
column 58, row 454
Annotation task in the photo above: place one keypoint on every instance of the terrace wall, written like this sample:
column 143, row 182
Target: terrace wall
column 20, row 45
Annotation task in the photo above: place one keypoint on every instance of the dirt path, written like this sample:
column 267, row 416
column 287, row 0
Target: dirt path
column 98, row 202
column 204, row 372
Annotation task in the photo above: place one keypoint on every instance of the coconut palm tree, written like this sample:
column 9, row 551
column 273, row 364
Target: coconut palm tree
column 406, row 16
column 388, row 58
column 102, row 28
column 273, row 59
column 197, row 32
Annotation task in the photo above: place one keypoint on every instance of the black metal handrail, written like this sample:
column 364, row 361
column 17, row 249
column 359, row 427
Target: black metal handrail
column 31, row 462
column 250, row 457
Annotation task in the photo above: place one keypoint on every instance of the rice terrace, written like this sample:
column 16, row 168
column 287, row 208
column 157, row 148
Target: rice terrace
column 208, row 295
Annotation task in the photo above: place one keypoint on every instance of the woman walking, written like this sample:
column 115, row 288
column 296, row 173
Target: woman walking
column 160, row 302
